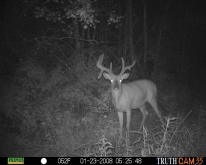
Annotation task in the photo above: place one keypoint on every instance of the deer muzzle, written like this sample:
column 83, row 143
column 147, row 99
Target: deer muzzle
column 116, row 85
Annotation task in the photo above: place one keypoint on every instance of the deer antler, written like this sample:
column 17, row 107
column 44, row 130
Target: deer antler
column 125, row 68
column 102, row 68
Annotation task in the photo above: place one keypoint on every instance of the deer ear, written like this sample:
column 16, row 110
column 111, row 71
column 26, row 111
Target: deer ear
column 125, row 76
column 107, row 76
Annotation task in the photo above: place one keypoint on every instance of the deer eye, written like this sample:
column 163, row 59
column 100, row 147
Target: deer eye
column 120, row 80
column 112, row 80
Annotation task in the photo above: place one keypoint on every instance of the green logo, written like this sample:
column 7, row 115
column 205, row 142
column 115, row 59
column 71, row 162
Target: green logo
column 15, row 160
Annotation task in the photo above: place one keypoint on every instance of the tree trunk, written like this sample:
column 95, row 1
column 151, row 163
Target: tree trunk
column 156, row 56
column 76, row 34
column 125, row 39
column 130, row 32
column 145, row 38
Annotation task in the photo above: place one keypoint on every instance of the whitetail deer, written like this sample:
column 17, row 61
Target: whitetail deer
column 128, row 96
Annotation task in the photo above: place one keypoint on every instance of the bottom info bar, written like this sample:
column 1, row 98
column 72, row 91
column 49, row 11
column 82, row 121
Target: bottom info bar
column 104, row 160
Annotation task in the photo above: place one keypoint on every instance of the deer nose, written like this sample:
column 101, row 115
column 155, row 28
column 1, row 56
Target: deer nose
column 116, row 87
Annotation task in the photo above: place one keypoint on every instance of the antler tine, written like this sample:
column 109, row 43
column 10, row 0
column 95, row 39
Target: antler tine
column 123, row 67
column 111, row 66
column 128, row 67
column 102, row 68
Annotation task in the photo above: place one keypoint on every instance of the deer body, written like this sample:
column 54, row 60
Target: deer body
column 128, row 96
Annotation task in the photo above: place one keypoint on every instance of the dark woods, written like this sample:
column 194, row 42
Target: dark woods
column 52, row 102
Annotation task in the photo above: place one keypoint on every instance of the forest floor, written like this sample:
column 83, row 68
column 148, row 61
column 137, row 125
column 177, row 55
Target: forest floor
column 189, row 129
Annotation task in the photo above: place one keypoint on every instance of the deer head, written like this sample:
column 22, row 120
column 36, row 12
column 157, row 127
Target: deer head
column 116, row 80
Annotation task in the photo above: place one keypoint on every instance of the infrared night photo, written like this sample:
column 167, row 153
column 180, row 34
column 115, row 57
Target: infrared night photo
column 119, row 79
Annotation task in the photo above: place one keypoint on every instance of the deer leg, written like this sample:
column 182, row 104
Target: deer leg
column 153, row 103
column 145, row 113
column 128, row 119
column 120, row 115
